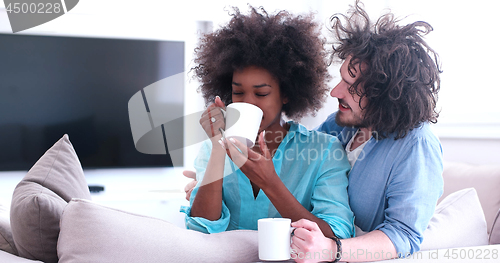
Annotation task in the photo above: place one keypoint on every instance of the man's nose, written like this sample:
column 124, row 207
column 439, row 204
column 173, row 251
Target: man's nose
column 336, row 92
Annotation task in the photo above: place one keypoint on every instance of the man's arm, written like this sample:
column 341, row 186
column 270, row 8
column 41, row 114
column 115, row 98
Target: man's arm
column 308, row 240
column 373, row 246
column 191, row 185
column 412, row 191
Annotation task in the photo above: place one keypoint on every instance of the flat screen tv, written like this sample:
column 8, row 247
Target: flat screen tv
column 80, row 86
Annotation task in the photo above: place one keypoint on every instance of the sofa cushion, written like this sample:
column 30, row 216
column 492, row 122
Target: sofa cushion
column 9, row 258
column 484, row 178
column 495, row 231
column 6, row 240
column 94, row 233
column 458, row 221
column 40, row 197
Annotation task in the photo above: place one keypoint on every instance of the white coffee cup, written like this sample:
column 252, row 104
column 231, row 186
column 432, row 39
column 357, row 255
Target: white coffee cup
column 274, row 238
column 242, row 122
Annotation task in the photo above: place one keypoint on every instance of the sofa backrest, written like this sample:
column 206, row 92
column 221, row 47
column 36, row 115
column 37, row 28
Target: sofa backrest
column 484, row 178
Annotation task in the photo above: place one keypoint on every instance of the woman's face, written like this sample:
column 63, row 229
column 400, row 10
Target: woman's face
column 257, row 86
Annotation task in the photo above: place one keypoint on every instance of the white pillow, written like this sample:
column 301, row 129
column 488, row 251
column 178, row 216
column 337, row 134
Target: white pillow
column 94, row 233
column 458, row 221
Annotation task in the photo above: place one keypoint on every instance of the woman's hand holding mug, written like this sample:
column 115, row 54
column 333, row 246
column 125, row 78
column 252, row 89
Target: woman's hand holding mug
column 212, row 120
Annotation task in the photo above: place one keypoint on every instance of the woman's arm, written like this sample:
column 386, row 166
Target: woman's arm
column 260, row 170
column 203, row 224
column 208, row 200
column 288, row 206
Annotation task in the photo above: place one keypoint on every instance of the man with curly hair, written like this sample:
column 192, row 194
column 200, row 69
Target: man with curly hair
column 387, row 98
column 277, row 63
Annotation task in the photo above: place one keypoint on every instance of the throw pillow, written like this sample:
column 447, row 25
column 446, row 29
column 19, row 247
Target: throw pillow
column 458, row 221
column 484, row 178
column 94, row 233
column 495, row 231
column 6, row 240
column 40, row 197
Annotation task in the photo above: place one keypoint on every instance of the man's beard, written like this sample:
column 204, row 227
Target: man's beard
column 356, row 122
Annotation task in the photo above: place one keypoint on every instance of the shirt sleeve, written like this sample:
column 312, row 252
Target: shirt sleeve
column 330, row 200
column 414, row 186
column 199, row 223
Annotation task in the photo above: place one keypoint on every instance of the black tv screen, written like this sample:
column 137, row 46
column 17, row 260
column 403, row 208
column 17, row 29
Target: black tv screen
column 53, row 85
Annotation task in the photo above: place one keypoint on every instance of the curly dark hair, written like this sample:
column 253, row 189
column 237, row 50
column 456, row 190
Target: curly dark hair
column 289, row 47
column 401, row 81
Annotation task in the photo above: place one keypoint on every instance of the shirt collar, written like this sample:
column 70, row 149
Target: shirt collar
column 294, row 129
column 297, row 127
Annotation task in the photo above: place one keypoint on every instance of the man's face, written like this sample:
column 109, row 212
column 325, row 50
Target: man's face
column 350, row 112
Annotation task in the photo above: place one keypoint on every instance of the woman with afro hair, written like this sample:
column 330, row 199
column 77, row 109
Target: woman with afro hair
column 276, row 62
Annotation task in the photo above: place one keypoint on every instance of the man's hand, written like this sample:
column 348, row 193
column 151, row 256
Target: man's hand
column 309, row 240
column 190, row 186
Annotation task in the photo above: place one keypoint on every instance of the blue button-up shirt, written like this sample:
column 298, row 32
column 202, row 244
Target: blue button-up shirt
column 394, row 184
column 312, row 165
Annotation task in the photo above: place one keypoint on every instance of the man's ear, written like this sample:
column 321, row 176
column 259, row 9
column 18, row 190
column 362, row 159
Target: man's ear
column 284, row 100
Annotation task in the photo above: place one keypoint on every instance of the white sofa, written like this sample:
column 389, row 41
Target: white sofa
column 47, row 225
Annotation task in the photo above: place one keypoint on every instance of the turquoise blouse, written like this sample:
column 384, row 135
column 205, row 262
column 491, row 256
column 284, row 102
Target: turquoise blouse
column 312, row 165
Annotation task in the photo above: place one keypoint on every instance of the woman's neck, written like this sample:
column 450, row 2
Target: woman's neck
column 274, row 134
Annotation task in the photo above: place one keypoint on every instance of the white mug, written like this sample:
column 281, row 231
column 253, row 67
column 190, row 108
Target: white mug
column 274, row 238
column 242, row 122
